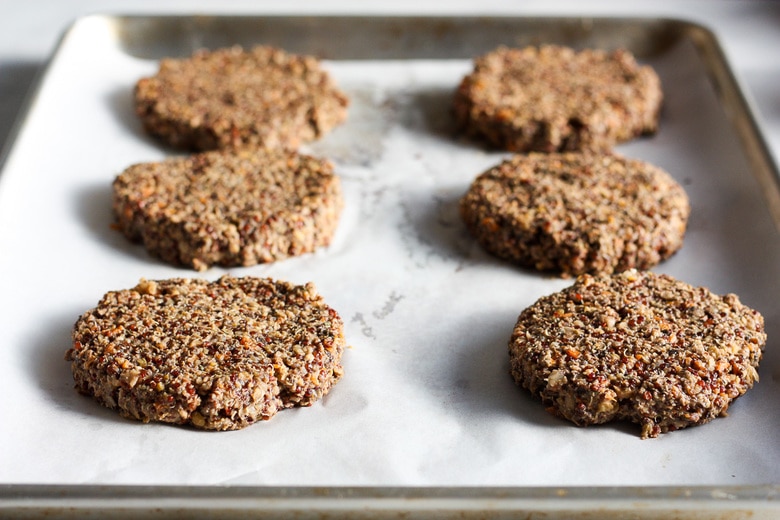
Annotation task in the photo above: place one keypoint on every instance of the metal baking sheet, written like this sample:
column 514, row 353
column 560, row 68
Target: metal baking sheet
column 426, row 419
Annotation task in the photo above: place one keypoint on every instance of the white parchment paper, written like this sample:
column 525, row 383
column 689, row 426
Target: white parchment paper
column 426, row 398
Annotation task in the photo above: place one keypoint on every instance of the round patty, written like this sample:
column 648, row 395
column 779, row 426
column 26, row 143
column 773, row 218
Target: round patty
column 233, row 97
column 217, row 355
column 639, row 347
column 553, row 98
column 575, row 213
column 229, row 208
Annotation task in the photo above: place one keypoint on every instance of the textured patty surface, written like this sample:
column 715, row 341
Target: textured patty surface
column 553, row 98
column 574, row 213
column 234, row 97
column 639, row 347
column 231, row 208
column 216, row 355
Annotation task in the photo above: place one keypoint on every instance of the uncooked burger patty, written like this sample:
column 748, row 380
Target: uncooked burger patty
column 553, row 98
column 229, row 208
column 638, row 347
column 574, row 213
column 217, row 355
column 234, row 97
